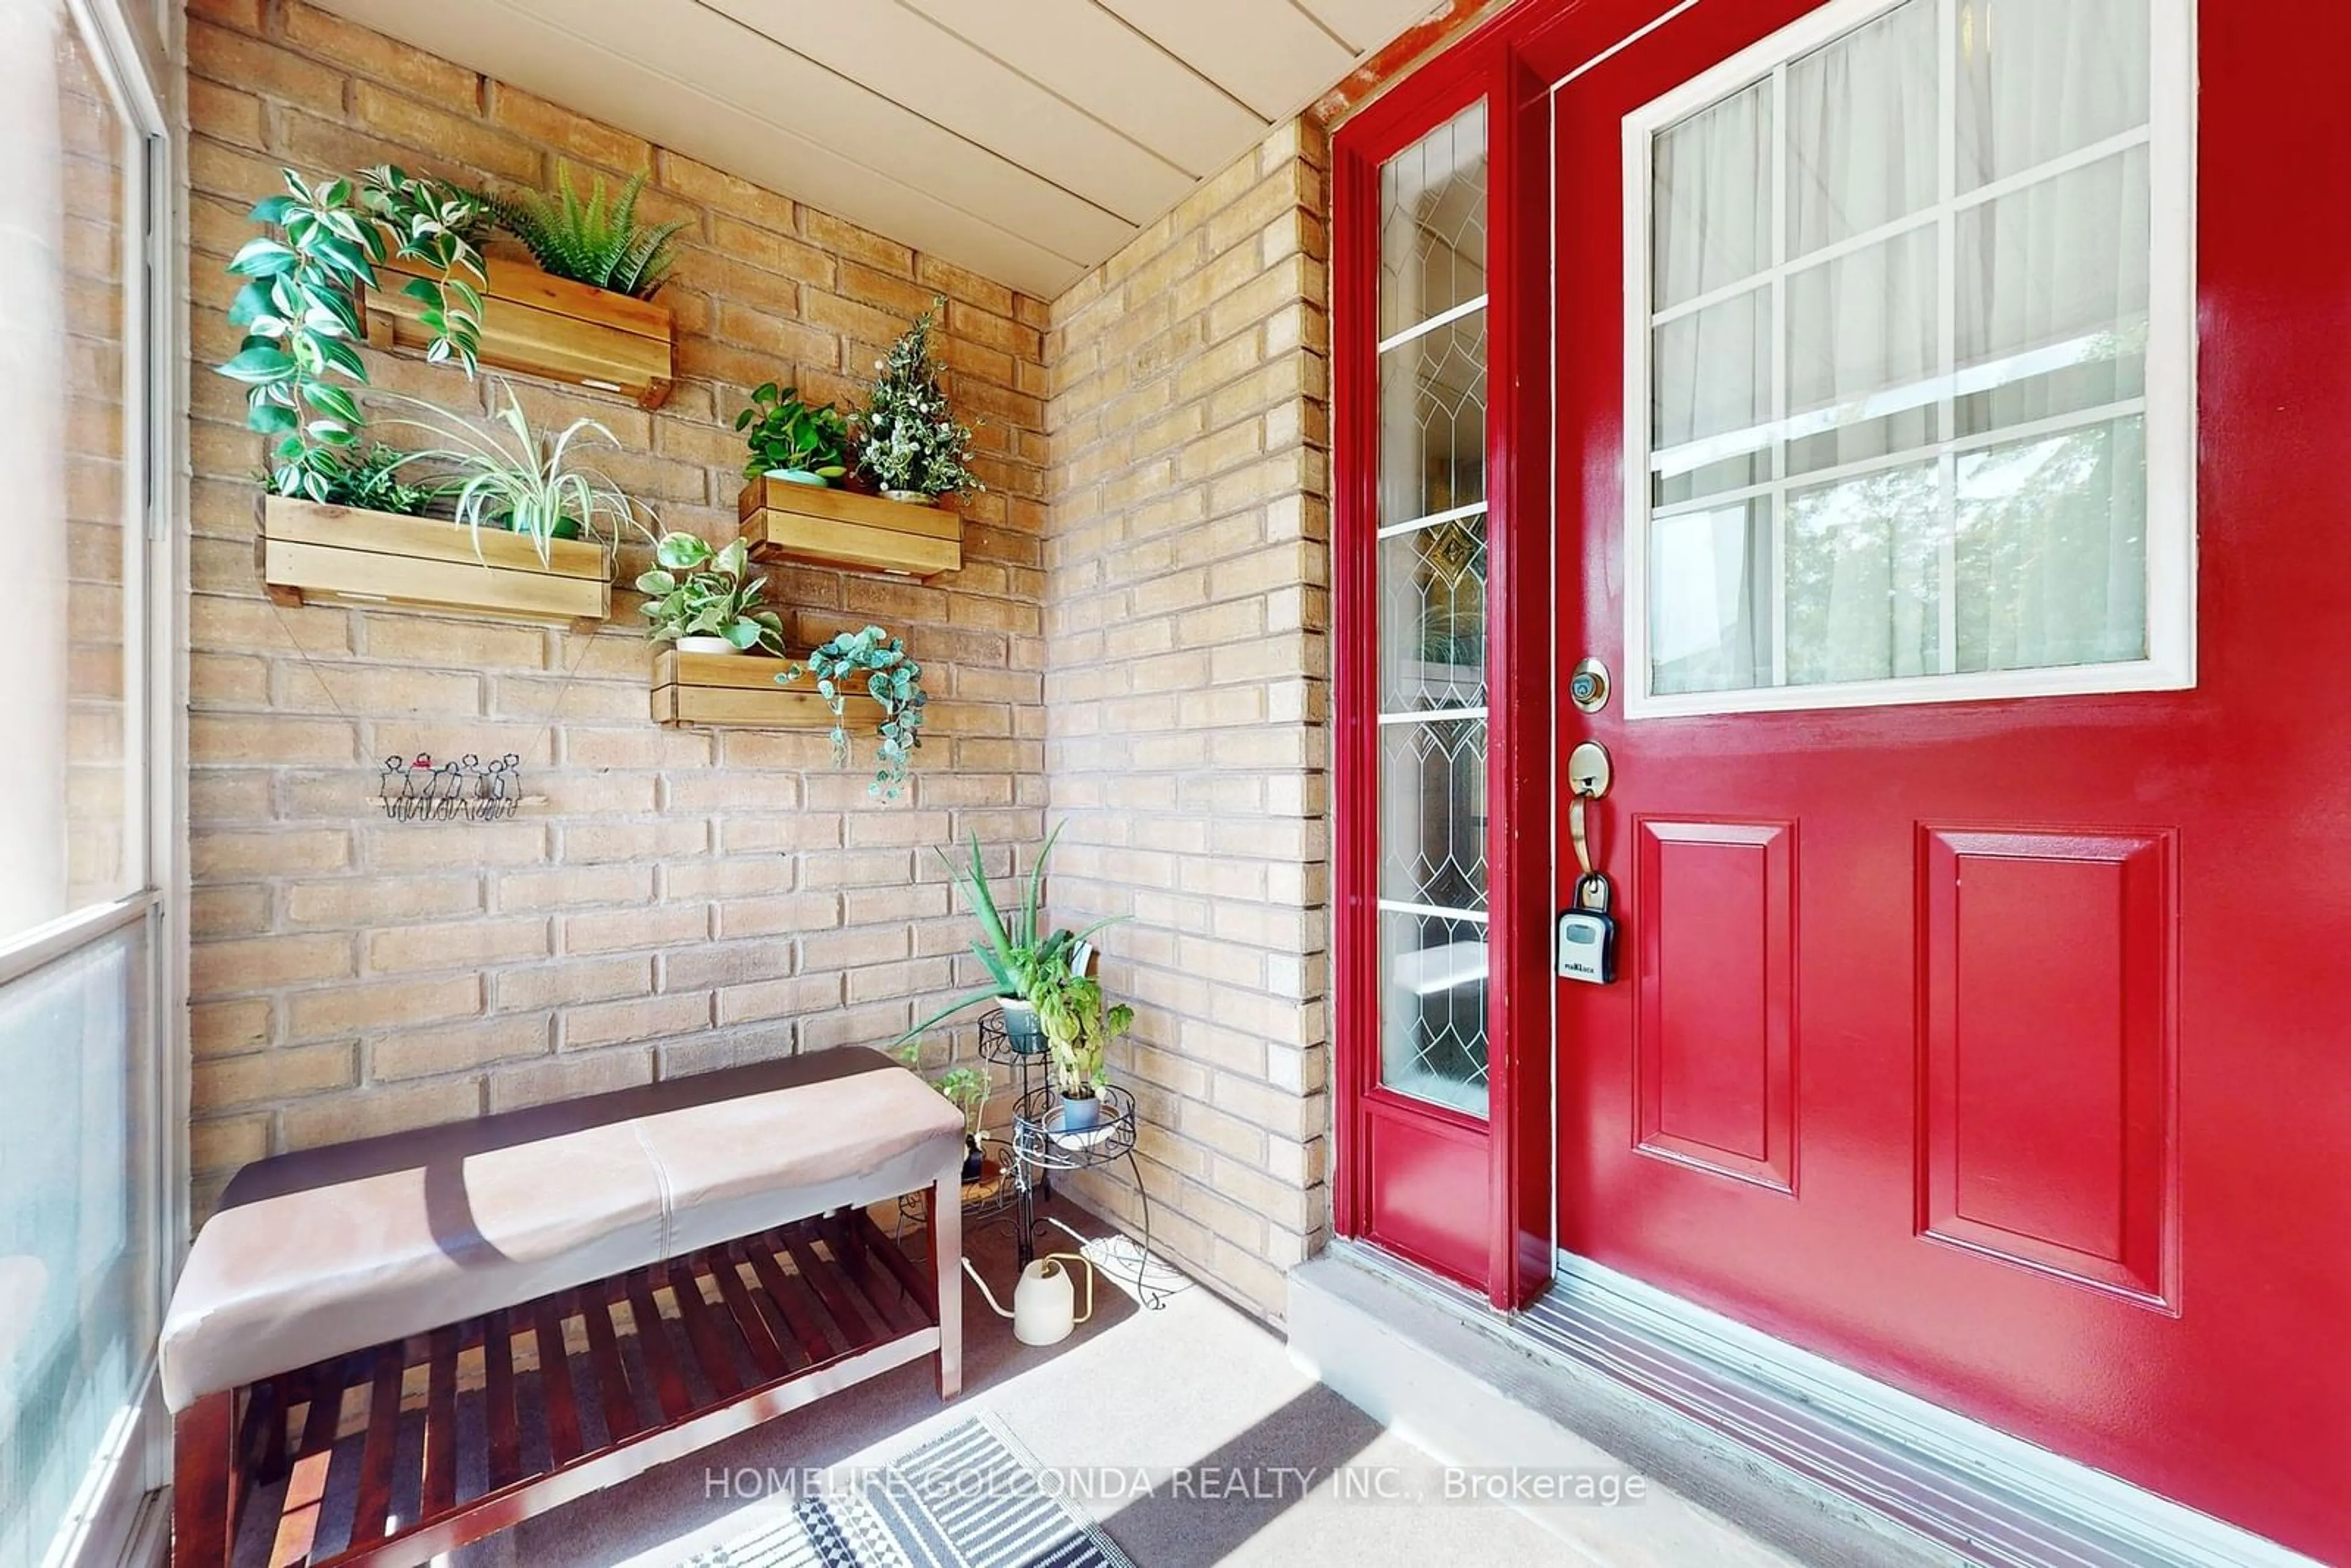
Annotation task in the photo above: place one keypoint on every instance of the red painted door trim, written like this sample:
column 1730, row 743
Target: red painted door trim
column 1500, row 1245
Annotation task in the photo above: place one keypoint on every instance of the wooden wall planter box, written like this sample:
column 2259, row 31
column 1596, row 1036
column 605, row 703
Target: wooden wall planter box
column 784, row 521
column 545, row 325
column 313, row 554
column 739, row 692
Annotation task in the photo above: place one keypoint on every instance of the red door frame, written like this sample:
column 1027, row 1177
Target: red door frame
column 1468, row 1198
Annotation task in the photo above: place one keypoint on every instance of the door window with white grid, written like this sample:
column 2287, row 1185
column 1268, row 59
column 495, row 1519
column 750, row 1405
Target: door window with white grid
column 1909, row 359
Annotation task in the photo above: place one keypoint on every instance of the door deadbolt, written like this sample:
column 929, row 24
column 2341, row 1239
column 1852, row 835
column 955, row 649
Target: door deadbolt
column 1587, row 687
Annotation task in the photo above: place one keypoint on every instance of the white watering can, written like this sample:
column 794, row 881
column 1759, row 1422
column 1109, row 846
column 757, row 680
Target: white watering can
column 1044, row 1300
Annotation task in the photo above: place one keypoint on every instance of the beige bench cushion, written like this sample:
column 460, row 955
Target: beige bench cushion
column 331, row 1251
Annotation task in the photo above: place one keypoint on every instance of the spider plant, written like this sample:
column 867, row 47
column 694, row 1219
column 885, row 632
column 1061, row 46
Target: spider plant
column 590, row 242
column 513, row 478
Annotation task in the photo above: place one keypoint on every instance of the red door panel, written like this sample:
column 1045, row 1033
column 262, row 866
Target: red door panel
column 1998, row 1049
column 2045, row 1082
column 1713, row 1042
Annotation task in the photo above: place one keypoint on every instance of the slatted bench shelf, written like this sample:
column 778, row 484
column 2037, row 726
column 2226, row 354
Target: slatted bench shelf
column 377, row 1456
column 648, row 1329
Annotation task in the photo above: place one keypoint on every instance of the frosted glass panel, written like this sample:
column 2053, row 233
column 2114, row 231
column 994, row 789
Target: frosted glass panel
column 1710, row 576
column 76, row 1262
column 1432, row 1015
column 2045, row 78
column 1898, row 316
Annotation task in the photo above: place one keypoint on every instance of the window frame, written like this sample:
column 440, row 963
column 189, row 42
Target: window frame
column 136, row 51
column 2169, row 413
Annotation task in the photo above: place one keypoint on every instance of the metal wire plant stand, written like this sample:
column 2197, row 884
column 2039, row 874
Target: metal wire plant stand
column 1038, row 1146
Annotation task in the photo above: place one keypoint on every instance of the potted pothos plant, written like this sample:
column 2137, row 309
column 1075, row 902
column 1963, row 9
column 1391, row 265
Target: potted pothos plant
column 909, row 442
column 1017, row 956
column 703, row 601
column 1079, row 1027
column 790, row 440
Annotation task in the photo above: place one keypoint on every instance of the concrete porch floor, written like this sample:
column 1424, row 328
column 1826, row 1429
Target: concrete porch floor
column 1196, row 1385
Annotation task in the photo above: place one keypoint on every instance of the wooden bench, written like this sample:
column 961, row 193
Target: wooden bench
column 615, row 1281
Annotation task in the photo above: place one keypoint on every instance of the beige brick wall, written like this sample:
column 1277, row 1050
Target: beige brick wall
column 1187, row 688
column 665, row 903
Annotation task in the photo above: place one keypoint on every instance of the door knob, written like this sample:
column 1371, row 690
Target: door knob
column 1589, row 771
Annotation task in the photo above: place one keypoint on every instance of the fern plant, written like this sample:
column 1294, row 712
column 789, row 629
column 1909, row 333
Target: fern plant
column 594, row 242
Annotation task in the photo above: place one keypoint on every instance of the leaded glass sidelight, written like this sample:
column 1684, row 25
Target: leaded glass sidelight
column 1432, row 616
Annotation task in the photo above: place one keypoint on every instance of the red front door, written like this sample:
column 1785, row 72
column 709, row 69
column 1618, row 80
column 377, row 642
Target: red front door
column 1978, row 833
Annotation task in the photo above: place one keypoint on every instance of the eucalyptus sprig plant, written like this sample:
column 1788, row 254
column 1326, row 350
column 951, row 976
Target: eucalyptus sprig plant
column 299, row 306
column 870, row 662
column 696, row 591
column 908, row 439
column 510, row 477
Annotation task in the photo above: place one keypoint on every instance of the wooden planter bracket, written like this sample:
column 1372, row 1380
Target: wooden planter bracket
column 541, row 325
column 784, row 521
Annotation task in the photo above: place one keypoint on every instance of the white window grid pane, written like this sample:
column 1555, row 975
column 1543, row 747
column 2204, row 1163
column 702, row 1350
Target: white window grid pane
column 2163, row 137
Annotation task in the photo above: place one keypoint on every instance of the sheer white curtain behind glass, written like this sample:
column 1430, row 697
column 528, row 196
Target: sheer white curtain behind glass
column 1833, row 498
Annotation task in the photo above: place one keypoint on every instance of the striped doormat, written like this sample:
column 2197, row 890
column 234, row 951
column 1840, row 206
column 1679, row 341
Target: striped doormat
column 967, row 1499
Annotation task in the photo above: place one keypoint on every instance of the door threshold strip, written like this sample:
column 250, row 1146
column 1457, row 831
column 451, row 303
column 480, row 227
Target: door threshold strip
column 1972, row 1491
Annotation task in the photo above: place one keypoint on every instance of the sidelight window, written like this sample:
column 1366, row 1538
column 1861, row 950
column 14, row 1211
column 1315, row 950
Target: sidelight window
column 1432, row 616
column 1909, row 360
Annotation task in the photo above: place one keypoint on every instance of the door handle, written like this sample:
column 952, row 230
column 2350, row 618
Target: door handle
column 1589, row 774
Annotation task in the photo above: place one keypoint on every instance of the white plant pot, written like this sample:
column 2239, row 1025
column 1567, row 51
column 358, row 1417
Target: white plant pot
column 706, row 645
column 911, row 498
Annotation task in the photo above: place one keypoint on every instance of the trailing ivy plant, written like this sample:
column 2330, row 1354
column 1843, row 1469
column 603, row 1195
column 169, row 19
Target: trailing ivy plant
column 870, row 662
column 592, row 242
column 299, row 307
column 908, row 439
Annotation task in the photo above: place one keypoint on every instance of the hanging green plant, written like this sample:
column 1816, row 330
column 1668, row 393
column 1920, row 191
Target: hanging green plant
column 299, row 307
column 890, row 679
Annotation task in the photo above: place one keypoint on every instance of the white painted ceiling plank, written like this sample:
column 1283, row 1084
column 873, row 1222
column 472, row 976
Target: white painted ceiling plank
column 911, row 60
column 1366, row 25
column 1104, row 66
column 742, row 67
column 1266, row 53
column 556, row 63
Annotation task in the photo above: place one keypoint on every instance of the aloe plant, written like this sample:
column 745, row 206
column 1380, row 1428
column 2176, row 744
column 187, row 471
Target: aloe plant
column 592, row 242
column 1018, row 961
